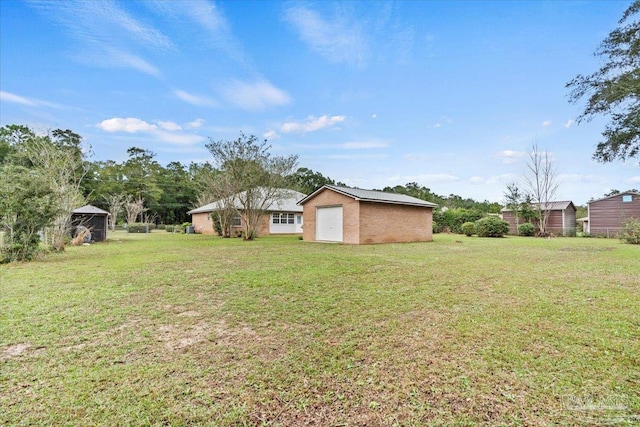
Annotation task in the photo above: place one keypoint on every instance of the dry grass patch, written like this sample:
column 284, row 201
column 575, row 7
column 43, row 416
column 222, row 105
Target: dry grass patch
column 168, row 329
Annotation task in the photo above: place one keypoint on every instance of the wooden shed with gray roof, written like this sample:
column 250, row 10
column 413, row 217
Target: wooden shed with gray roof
column 352, row 215
column 95, row 219
column 561, row 218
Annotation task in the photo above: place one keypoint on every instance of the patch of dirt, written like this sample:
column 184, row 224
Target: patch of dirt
column 175, row 338
column 189, row 313
column 19, row 349
column 14, row 350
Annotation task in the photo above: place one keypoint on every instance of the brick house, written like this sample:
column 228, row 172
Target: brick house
column 606, row 215
column 355, row 216
column 561, row 220
column 282, row 216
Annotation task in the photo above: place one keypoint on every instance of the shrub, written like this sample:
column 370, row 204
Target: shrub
column 631, row 231
column 491, row 226
column 468, row 228
column 138, row 227
column 168, row 228
column 435, row 228
column 526, row 229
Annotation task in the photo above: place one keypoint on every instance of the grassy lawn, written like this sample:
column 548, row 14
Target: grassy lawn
column 168, row 329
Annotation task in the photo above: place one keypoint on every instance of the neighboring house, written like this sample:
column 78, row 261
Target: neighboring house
column 561, row 220
column 282, row 216
column 350, row 215
column 95, row 219
column 606, row 215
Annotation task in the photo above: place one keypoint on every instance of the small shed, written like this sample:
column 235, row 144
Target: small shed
column 607, row 215
column 95, row 219
column 561, row 219
column 356, row 216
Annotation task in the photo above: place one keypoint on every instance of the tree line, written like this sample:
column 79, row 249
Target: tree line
column 46, row 176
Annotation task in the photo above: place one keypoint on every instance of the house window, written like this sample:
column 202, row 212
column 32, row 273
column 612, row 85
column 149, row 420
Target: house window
column 282, row 218
column 627, row 198
column 236, row 221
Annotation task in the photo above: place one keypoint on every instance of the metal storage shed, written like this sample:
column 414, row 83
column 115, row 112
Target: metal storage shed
column 95, row 219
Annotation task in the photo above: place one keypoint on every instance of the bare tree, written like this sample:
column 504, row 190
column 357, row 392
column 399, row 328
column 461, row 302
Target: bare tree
column 134, row 208
column 116, row 203
column 62, row 166
column 542, row 180
column 253, row 177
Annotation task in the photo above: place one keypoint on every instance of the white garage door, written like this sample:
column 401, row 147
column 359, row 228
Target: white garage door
column 329, row 224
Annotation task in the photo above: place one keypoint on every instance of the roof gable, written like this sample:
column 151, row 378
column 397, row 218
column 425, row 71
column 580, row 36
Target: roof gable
column 90, row 210
column 615, row 195
column 371, row 196
column 550, row 206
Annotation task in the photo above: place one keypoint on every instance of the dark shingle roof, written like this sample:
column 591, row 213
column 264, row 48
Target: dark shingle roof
column 372, row 196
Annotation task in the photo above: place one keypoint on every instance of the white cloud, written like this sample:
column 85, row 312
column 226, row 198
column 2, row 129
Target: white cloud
column 200, row 20
column 129, row 125
column 16, row 99
column 270, row 134
column 312, row 124
column 374, row 116
column 195, row 124
column 546, row 123
column 162, row 132
column 502, row 179
column 634, row 180
column 254, row 96
column 105, row 33
column 509, row 157
column 178, row 138
column 476, row 180
column 336, row 38
column 192, row 99
column 170, row 126
column 358, row 145
column 30, row 102
column 569, row 123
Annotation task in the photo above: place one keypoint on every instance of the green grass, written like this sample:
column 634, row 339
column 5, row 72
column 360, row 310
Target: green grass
column 170, row 329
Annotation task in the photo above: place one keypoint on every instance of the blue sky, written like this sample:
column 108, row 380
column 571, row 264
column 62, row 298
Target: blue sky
column 447, row 94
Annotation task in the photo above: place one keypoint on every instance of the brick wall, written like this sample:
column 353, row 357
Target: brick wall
column 386, row 223
column 366, row 222
column 350, row 212
column 202, row 223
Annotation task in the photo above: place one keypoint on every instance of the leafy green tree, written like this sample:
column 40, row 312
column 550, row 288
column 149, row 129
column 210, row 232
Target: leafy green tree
column 178, row 193
column 307, row 181
column 27, row 206
column 513, row 198
column 614, row 90
column 252, row 176
column 140, row 175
